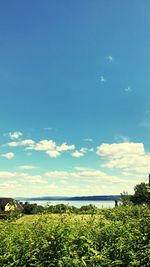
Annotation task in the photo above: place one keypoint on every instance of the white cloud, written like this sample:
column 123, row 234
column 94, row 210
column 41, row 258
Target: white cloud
column 77, row 154
column 52, row 187
column 110, row 58
column 6, row 174
column 84, row 150
column 48, row 146
column 93, row 181
column 79, row 168
column 128, row 89
column 15, row 135
column 27, row 142
column 120, row 150
column 63, row 181
column 53, row 153
column 81, row 152
column 22, row 178
column 44, row 145
column 27, row 167
column 36, row 179
column 8, row 155
column 129, row 157
column 61, row 174
column 12, row 144
column 64, row 189
column 65, row 147
column 88, row 175
column 7, row 186
column 51, row 148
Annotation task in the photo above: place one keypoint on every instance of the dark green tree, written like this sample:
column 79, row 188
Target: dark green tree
column 141, row 194
column 33, row 208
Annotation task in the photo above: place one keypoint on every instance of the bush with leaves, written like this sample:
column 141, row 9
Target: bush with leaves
column 112, row 237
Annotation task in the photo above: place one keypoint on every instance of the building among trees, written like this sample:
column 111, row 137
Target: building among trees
column 9, row 204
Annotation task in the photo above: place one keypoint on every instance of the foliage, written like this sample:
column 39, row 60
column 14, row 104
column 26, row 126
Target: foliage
column 59, row 208
column 125, row 198
column 111, row 237
column 88, row 209
column 141, row 194
column 10, row 215
column 32, row 208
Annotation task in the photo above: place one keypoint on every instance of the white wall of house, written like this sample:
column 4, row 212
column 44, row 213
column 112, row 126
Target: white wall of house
column 10, row 207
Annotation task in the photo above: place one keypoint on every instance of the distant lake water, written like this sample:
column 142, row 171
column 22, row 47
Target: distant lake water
column 78, row 204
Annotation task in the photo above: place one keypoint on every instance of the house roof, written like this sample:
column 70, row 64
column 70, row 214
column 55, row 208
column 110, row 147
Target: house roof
column 1, row 210
column 4, row 201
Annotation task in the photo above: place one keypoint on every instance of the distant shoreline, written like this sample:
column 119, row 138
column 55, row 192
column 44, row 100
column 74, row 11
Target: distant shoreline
column 79, row 198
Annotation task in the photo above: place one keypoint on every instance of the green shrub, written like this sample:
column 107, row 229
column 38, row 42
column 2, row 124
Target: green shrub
column 112, row 237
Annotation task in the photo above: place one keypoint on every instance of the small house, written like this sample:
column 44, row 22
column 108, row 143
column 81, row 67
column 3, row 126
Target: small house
column 9, row 204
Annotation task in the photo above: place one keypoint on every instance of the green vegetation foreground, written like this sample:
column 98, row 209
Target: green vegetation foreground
column 111, row 237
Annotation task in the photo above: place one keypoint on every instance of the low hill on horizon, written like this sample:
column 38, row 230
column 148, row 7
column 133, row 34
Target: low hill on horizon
column 75, row 198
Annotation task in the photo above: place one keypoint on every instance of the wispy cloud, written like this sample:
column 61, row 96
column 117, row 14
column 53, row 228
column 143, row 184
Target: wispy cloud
column 77, row 154
column 88, row 140
column 93, row 175
column 26, row 142
column 110, row 58
column 102, row 79
column 128, row 89
column 27, row 167
column 23, row 177
column 7, row 174
column 41, row 184
column 79, row 168
column 15, row 135
column 81, row 152
column 9, row 155
column 122, row 138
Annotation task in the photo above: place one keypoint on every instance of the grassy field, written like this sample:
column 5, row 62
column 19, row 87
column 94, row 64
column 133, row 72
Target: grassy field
column 112, row 237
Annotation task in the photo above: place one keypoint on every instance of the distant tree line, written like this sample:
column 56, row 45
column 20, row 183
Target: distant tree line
column 59, row 208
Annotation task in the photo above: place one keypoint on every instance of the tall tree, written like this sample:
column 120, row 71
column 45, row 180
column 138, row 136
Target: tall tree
column 141, row 194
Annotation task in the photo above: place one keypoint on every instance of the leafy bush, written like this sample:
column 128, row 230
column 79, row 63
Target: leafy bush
column 11, row 216
column 112, row 237
column 33, row 209
column 62, row 208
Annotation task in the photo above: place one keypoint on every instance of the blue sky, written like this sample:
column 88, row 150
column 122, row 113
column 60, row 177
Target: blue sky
column 74, row 97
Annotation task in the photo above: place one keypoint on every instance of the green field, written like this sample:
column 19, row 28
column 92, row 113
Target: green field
column 111, row 237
